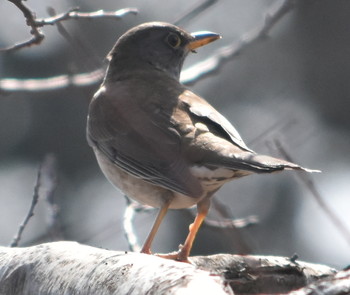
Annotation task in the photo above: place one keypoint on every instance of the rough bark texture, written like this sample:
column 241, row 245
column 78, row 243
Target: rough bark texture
column 72, row 268
column 263, row 274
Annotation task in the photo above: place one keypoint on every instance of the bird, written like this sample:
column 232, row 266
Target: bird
column 156, row 140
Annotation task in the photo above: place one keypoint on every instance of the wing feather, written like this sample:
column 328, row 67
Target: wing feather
column 128, row 137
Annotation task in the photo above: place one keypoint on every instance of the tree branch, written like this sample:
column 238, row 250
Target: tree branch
column 310, row 185
column 128, row 224
column 338, row 284
column 58, row 82
column 72, row 268
column 189, row 76
column 74, row 13
column 229, row 223
column 43, row 181
column 213, row 63
column 194, row 11
column 35, row 23
column 50, row 184
column 37, row 34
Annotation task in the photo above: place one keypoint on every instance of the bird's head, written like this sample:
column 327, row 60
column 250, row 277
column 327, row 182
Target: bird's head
column 159, row 45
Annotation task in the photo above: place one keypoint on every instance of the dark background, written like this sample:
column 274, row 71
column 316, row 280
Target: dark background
column 292, row 86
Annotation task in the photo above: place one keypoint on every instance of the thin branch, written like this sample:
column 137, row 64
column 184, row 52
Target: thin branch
column 194, row 11
column 85, row 55
column 132, row 208
column 49, row 175
column 276, row 127
column 35, row 199
column 128, row 225
column 37, row 34
column 35, row 23
column 128, row 222
column 44, row 167
column 63, row 81
column 189, row 76
column 229, row 223
column 213, row 63
column 310, row 185
column 74, row 13
column 224, row 212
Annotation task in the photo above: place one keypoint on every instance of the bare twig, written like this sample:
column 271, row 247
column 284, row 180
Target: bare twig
column 189, row 76
column 213, row 63
column 74, row 13
column 128, row 223
column 276, row 127
column 133, row 208
column 237, row 223
column 53, row 83
column 85, row 56
column 37, row 34
column 49, row 175
column 195, row 11
column 43, row 169
column 35, row 198
column 310, row 185
column 236, row 234
column 35, row 23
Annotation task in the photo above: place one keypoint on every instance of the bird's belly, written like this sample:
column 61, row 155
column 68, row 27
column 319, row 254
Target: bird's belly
column 140, row 190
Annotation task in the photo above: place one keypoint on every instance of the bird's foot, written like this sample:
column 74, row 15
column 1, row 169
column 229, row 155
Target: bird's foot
column 173, row 256
column 181, row 255
column 176, row 255
column 146, row 250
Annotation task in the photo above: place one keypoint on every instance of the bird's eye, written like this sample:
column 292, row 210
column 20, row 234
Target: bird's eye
column 173, row 40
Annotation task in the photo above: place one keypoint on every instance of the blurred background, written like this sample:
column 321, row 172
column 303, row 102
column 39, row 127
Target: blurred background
column 292, row 86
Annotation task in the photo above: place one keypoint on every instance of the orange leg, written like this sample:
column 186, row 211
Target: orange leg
column 202, row 211
column 162, row 212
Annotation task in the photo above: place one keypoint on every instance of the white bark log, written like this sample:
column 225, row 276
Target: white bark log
column 71, row 268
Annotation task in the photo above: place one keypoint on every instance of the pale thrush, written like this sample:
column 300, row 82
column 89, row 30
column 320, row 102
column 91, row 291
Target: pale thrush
column 156, row 140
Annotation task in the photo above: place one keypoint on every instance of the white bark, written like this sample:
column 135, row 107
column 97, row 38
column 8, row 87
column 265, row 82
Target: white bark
column 72, row 268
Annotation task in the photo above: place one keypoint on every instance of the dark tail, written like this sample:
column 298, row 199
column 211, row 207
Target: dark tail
column 260, row 163
column 265, row 164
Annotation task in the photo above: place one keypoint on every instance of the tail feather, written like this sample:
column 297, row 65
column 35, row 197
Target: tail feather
column 259, row 163
column 263, row 164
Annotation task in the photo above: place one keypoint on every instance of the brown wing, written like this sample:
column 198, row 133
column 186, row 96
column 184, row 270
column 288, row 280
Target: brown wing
column 128, row 135
column 220, row 145
column 210, row 116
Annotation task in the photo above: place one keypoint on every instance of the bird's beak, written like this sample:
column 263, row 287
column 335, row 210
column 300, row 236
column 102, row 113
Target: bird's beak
column 202, row 38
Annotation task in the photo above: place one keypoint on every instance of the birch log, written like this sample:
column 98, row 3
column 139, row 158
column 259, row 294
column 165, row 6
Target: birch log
column 72, row 268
